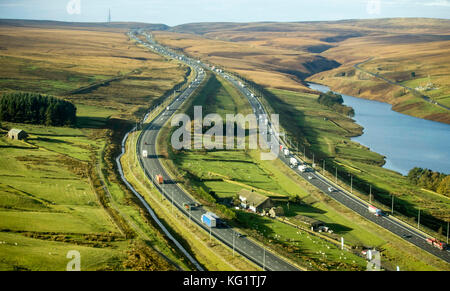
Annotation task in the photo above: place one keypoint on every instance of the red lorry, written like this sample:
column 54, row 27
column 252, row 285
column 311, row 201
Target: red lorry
column 159, row 179
column 436, row 243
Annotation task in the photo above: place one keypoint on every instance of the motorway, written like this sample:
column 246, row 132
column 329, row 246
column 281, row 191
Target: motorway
column 392, row 224
column 244, row 246
column 178, row 196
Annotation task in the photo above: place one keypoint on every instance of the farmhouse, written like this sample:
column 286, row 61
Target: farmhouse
column 254, row 201
column 17, row 134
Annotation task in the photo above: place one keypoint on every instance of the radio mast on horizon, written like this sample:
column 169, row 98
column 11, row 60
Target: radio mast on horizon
column 109, row 15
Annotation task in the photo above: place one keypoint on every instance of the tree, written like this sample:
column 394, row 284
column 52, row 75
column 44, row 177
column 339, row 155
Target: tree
column 444, row 186
column 35, row 108
column 336, row 102
column 435, row 181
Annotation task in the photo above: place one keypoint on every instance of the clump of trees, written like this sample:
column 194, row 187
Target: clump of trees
column 427, row 179
column 34, row 108
column 336, row 102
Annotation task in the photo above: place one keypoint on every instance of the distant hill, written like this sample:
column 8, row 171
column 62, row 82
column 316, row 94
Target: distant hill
column 104, row 26
column 400, row 59
column 368, row 25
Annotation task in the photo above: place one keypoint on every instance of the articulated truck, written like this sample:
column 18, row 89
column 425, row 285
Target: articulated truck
column 437, row 244
column 375, row 211
column 303, row 168
column 210, row 219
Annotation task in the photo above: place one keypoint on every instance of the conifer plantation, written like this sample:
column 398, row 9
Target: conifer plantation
column 34, row 108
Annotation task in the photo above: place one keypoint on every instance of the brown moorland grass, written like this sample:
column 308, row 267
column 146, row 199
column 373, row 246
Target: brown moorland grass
column 262, row 64
column 280, row 55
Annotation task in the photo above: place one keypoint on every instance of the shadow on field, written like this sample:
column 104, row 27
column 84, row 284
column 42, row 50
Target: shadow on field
column 339, row 228
column 58, row 135
column 50, row 140
column 253, row 222
column 227, row 161
column 295, row 209
column 16, row 147
column 91, row 122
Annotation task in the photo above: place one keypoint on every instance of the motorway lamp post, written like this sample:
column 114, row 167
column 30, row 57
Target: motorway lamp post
column 392, row 211
column 418, row 220
column 370, row 194
column 172, row 202
column 190, row 219
column 336, row 176
column 323, row 170
column 351, row 184
column 447, row 230
column 234, row 238
column 264, row 259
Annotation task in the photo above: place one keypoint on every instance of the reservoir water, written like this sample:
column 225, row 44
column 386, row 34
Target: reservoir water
column 406, row 141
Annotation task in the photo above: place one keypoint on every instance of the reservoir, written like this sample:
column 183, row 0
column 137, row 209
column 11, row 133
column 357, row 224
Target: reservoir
column 406, row 141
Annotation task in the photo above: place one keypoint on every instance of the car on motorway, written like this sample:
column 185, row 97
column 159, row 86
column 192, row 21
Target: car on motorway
column 310, row 177
column 331, row 189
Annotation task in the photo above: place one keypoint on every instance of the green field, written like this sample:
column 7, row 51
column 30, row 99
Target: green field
column 52, row 194
column 43, row 190
column 22, row 253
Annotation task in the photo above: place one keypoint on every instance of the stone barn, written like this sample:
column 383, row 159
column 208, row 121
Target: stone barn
column 17, row 134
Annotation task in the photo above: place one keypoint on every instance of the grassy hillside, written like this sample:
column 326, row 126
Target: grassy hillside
column 59, row 190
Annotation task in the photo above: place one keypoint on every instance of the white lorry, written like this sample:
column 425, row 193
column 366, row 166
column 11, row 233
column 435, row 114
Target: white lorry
column 145, row 154
column 302, row 168
column 293, row 162
column 286, row 152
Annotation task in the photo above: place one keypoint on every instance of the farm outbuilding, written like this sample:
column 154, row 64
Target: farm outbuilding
column 311, row 222
column 254, row 201
column 17, row 134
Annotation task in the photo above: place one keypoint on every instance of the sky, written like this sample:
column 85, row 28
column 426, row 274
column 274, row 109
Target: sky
column 174, row 12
